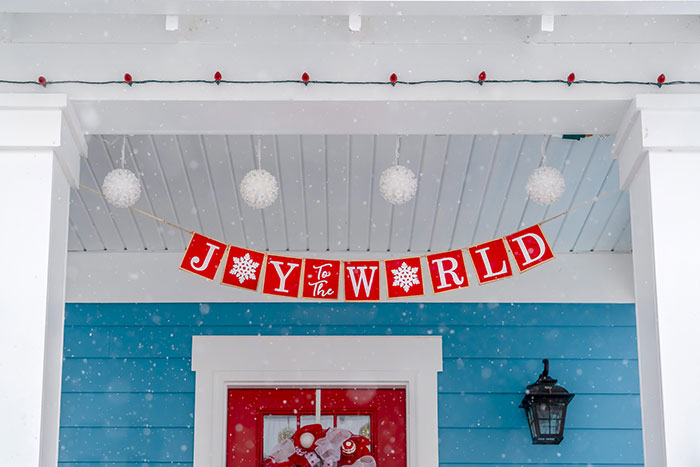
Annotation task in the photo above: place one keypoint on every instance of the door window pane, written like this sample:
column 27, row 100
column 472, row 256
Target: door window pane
column 326, row 420
column 277, row 428
column 358, row 424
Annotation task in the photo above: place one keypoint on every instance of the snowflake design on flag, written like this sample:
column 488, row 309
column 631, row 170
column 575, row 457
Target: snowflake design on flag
column 244, row 268
column 405, row 276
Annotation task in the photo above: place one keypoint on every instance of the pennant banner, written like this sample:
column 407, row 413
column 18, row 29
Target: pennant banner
column 320, row 279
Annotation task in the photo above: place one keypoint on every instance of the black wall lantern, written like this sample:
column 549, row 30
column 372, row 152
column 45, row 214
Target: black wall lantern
column 545, row 405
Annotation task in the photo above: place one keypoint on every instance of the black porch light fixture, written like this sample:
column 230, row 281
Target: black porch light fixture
column 545, row 406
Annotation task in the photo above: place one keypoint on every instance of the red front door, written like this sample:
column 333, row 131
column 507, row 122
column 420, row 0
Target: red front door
column 258, row 419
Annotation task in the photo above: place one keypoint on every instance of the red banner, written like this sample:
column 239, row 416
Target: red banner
column 404, row 277
column 361, row 280
column 282, row 276
column 529, row 248
column 243, row 268
column 490, row 261
column 321, row 279
column 203, row 256
column 447, row 271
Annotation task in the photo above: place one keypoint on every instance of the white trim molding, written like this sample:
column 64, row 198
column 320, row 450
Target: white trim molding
column 223, row 362
column 112, row 277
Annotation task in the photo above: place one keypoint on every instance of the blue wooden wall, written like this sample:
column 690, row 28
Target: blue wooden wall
column 128, row 390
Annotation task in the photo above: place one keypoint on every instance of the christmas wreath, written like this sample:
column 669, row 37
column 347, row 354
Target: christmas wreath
column 315, row 446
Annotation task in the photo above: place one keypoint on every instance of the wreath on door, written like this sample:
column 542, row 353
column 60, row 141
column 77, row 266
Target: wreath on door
column 315, row 446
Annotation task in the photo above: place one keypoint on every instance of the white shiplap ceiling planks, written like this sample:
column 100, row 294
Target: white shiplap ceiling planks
column 471, row 188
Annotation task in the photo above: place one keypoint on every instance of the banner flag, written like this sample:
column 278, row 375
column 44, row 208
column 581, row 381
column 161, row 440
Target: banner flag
column 243, row 268
column 282, row 276
column 491, row 261
column 361, row 280
column 321, row 279
column 404, row 277
column 203, row 256
column 529, row 248
column 447, row 271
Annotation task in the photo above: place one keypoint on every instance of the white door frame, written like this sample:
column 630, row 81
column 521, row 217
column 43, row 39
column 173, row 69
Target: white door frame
column 223, row 362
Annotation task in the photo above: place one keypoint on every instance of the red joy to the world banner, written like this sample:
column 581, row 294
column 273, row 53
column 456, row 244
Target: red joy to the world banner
column 321, row 279
column 529, row 248
column 447, row 271
column 282, row 276
column 203, row 256
column 404, row 277
column 361, row 280
column 490, row 261
column 243, row 268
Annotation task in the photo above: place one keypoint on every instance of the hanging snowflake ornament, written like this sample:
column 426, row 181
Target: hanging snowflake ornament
column 121, row 187
column 546, row 184
column 405, row 276
column 259, row 188
column 398, row 183
column 244, row 268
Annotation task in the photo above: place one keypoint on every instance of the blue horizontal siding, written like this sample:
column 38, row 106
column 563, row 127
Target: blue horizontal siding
column 128, row 392
column 474, row 341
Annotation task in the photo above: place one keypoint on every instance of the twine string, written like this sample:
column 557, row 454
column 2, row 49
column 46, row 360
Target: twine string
column 191, row 232
column 545, row 143
column 397, row 150
column 123, row 150
column 140, row 211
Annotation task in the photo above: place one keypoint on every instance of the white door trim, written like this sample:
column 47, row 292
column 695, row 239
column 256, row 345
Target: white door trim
column 222, row 362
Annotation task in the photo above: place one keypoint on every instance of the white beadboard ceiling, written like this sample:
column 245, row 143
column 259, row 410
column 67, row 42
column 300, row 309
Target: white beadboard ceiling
column 471, row 189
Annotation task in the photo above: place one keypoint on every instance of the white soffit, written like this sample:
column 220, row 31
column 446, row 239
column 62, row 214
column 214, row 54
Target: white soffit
column 471, row 189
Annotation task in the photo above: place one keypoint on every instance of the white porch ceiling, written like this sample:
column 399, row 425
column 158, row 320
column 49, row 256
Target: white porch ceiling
column 471, row 189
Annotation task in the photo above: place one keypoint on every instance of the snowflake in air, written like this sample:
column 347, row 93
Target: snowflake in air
column 405, row 276
column 244, row 268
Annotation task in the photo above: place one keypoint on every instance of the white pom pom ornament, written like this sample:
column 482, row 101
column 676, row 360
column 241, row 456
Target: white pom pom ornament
column 306, row 440
column 259, row 188
column 545, row 186
column 121, row 188
column 398, row 184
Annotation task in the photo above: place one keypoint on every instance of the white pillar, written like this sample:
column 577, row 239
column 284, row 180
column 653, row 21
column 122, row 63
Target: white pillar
column 658, row 147
column 40, row 147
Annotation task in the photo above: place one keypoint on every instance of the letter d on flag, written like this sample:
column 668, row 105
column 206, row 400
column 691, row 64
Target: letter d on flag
column 529, row 248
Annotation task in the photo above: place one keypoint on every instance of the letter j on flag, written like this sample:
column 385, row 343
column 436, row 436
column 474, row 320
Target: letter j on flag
column 203, row 256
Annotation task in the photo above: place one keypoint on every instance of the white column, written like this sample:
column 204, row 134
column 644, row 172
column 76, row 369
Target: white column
column 658, row 147
column 40, row 147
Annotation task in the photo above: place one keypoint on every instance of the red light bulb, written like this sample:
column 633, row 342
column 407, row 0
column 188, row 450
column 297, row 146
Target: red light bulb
column 305, row 78
column 41, row 80
column 482, row 77
column 393, row 79
column 570, row 79
column 128, row 79
column 661, row 79
column 217, row 77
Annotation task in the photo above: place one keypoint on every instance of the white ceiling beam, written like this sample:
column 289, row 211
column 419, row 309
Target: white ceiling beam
column 131, row 277
column 365, row 8
column 297, row 109
column 306, row 31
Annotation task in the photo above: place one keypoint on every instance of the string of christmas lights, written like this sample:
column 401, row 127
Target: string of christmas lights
column 392, row 81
